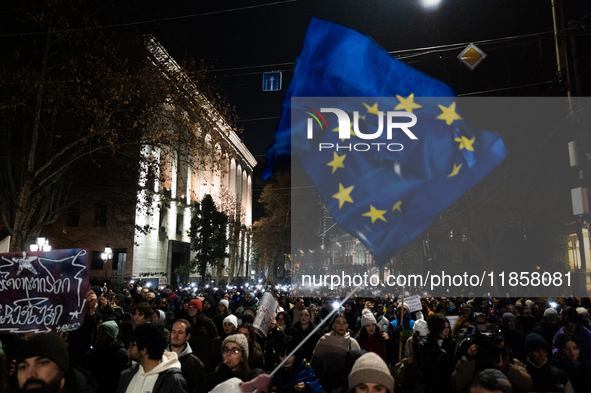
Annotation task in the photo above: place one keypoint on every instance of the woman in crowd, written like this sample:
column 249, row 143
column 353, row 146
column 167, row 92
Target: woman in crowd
column 283, row 321
column 301, row 329
column 229, row 327
column 461, row 323
column 294, row 375
column 256, row 356
column 315, row 313
column 370, row 337
column 436, row 356
column 570, row 361
column 328, row 360
column 234, row 363
column 370, row 375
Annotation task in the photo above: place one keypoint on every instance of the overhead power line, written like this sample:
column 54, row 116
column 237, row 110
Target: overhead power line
column 154, row 20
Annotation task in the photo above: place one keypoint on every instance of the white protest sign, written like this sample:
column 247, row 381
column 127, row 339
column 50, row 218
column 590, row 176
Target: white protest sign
column 413, row 302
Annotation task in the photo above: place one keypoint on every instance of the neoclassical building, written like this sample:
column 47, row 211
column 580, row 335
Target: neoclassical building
column 183, row 180
column 153, row 241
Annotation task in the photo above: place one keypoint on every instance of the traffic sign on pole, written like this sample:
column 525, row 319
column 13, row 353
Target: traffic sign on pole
column 272, row 81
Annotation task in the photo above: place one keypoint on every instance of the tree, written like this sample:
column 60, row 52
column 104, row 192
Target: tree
column 208, row 238
column 72, row 91
column 272, row 233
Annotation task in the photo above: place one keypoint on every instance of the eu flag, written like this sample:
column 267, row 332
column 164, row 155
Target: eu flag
column 388, row 189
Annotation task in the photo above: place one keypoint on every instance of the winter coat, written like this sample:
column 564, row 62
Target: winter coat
column 169, row 377
column 515, row 340
column 106, row 363
column 517, row 375
column 548, row 378
column 203, row 333
column 435, row 365
column 298, row 333
column 285, row 381
column 547, row 331
column 328, row 360
column 406, row 329
column 191, row 366
column 223, row 373
column 80, row 381
column 584, row 337
column 578, row 373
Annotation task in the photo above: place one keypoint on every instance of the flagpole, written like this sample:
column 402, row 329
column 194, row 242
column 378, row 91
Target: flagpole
column 401, row 326
column 328, row 317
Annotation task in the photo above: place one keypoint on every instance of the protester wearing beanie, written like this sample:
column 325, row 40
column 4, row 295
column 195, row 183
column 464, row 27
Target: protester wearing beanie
column 107, row 358
column 546, row 378
column 514, row 338
column 548, row 326
column 57, row 376
column 370, row 337
column 368, row 369
column 203, row 333
column 233, row 365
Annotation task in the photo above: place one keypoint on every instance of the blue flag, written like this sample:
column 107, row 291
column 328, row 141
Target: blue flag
column 384, row 188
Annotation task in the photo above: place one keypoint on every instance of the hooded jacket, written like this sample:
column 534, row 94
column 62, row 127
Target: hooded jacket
column 166, row 378
column 191, row 366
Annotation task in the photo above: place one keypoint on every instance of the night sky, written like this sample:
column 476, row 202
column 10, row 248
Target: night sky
column 243, row 43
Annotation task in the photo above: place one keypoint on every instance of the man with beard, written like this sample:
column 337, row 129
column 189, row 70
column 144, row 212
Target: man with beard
column 43, row 366
column 154, row 370
column 191, row 367
column 210, row 310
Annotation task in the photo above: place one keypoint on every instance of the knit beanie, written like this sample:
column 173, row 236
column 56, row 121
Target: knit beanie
column 529, row 303
column 232, row 319
column 196, row 303
column 111, row 328
column 371, row 368
column 551, row 313
column 507, row 317
column 367, row 318
column 405, row 306
column 421, row 327
column 239, row 339
column 582, row 311
column 45, row 345
column 534, row 341
column 225, row 303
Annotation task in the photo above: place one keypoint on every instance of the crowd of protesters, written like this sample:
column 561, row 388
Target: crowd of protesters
column 145, row 340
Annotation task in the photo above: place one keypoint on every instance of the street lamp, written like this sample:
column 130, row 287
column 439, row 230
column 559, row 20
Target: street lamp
column 105, row 256
column 41, row 244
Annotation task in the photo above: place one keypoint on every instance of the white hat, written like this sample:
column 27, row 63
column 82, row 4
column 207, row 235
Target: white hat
column 225, row 303
column 232, row 319
column 367, row 317
column 421, row 327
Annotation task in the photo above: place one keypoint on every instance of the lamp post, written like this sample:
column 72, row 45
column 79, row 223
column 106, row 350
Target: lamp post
column 41, row 244
column 105, row 256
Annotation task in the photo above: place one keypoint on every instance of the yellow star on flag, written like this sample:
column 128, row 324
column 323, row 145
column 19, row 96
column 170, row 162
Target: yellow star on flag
column 337, row 161
column 350, row 130
column 448, row 114
column 455, row 171
column 343, row 195
column 397, row 206
column 372, row 109
column 375, row 214
column 408, row 103
column 465, row 143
